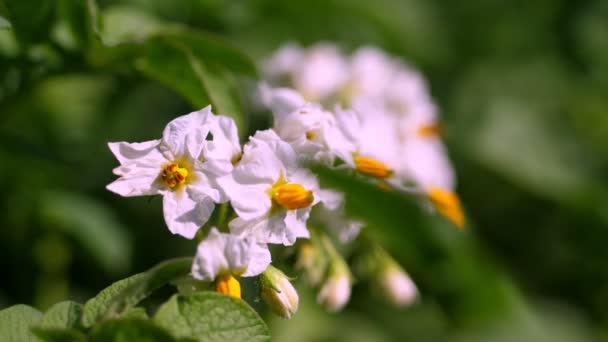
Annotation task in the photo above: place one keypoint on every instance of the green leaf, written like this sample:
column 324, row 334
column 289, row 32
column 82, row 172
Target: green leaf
column 155, row 278
column 16, row 322
column 59, row 335
column 164, row 63
column 62, row 315
column 4, row 22
column 121, row 296
column 448, row 263
column 96, row 307
column 209, row 316
column 30, row 19
column 176, row 66
column 128, row 330
column 93, row 224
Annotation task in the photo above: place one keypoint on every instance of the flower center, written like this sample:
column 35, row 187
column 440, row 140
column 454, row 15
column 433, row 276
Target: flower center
column 227, row 284
column 310, row 135
column 448, row 205
column 372, row 167
column 430, row 130
column 173, row 175
column 292, row 196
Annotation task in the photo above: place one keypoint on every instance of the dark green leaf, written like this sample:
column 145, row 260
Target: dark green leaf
column 92, row 224
column 446, row 261
column 30, row 18
column 59, row 335
column 125, row 294
column 96, row 307
column 209, row 316
column 129, row 330
column 176, row 66
column 4, row 22
column 62, row 315
column 172, row 67
column 16, row 322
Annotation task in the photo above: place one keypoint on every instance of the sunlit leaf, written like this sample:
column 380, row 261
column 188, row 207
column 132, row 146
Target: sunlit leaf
column 62, row 315
column 16, row 321
column 121, row 296
column 96, row 307
column 59, row 335
column 209, row 316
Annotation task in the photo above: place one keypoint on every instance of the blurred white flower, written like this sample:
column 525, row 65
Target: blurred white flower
column 225, row 257
column 278, row 292
column 270, row 193
column 335, row 292
column 310, row 130
column 396, row 286
column 182, row 166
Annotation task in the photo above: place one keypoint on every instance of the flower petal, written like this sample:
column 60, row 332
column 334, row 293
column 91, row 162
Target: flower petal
column 259, row 260
column 186, row 135
column 184, row 215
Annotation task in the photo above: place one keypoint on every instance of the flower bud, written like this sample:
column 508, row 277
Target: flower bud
column 278, row 293
column 312, row 262
column 396, row 286
column 335, row 292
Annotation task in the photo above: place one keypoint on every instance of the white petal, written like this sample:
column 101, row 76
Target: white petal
column 136, row 185
column 183, row 215
column 281, row 101
column 260, row 259
column 225, row 144
column 250, row 201
column 186, row 135
column 210, row 258
column 142, row 154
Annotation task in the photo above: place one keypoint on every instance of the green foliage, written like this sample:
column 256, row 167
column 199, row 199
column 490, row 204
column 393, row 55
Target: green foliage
column 62, row 315
column 96, row 307
column 124, row 294
column 129, row 330
column 15, row 323
column 59, row 335
column 207, row 316
column 92, row 224
column 29, row 18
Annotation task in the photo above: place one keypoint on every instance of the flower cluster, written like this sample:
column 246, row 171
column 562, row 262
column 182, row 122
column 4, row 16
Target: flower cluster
column 382, row 124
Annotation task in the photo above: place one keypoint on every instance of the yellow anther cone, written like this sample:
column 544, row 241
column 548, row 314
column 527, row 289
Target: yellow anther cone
column 372, row 167
column 228, row 285
column 447, row 204
column 292, row 196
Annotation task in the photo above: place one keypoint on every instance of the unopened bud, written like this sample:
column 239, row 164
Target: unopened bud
column 278, row 293
column 335, row 292
column 312, row 262
column 396, row 286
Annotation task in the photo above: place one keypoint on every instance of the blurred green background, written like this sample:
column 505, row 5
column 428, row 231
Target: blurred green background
column 522, row 87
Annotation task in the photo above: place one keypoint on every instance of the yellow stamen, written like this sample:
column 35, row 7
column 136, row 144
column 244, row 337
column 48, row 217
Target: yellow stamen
column 173, row 175
column 430, row 130
column 292, row 196
column 310, row 135
column 227, row 284
column 447, row 204
column 372, row 167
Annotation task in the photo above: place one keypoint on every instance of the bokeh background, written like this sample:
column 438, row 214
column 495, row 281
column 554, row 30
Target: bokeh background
column 523, row 91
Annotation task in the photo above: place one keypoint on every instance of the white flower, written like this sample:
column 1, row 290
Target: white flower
column 397, row 287
column 278, row 293
column 182, row 166
column 335, row 292
column 336, row 221
column 270, row 193
column 317, row 73
column 310, row 130
column 223, row 253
